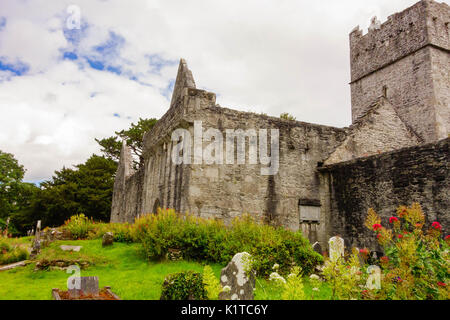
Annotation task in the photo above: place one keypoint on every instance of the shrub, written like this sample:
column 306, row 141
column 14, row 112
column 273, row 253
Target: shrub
column 184, row 286
column 10, row 254
column 209, row 240
column 415, row 266
column 122, row 231
column 417, row 262
column 212, row 284
column 79, row 226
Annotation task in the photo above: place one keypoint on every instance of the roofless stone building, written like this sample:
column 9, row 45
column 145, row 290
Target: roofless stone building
column 325, row 179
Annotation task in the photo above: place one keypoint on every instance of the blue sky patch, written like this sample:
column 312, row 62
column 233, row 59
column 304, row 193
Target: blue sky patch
column 112, row 46
column 98, row 65
column 167, row 92
column 74, row 35
column 70, row 56
column 157, row 62
column 18, row 69
column 2, row 22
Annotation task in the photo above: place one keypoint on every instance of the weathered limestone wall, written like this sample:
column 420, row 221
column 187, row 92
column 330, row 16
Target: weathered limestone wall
column 127, row 195
column 440, row 61
column 398, row 61
column 384, row 182
column 227, row 191
column 166, row 184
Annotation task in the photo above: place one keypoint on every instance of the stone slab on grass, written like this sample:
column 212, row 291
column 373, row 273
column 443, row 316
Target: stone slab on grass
column 71, row 248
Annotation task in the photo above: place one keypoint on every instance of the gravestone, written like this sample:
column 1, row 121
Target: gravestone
column 71, row 248
column 237, row 279
column 374, row 257
column 108, row 239
column 88, row 286
column 374, row 279
column 336, row 247
column 7, row 226
column 317, row 248
column 37, row 240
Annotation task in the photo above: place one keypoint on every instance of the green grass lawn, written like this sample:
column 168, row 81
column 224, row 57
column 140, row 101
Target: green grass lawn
column 122, row 267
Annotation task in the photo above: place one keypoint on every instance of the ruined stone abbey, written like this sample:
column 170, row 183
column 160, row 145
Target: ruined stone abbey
column 395, row 152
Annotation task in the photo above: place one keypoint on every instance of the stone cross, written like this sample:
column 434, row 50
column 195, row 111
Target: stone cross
column 237, row 281
column 336, row 245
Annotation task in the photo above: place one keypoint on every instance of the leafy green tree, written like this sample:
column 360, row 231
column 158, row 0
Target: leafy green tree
column 11, row 175
column 85, row 189
column 133, row 136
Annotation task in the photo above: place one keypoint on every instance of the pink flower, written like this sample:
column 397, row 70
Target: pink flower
column 377, row 226
column 436, row 225
column 441, row 284
column 447, row 238
column 364, row 251
column 400, row 236
column 393, row 219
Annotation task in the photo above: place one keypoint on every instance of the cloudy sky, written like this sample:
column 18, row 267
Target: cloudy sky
column 62, row 86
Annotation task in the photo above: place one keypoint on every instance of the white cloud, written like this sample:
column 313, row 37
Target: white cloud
column 265, row 56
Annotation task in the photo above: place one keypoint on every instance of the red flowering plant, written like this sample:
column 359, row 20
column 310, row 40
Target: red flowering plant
column 416, row 265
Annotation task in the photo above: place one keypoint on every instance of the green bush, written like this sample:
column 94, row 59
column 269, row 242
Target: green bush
column 210, row 240
column 184, row 286
column 10, row 254
column 122, row 231
column 79, row 226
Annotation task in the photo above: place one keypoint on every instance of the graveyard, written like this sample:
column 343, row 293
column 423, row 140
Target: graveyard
column 169, row 256
column 130, row 276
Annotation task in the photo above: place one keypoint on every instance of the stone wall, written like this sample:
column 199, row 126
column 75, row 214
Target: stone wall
column 379, row 130
column 406, row 61
column 229, row 190
column 128, row 187
column 384, row 182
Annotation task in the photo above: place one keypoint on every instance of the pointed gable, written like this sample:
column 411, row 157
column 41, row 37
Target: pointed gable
column 184, row 80
column 125, row 169
column 379, row 130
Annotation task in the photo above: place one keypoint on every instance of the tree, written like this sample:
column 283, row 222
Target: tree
column 85, row 189
column 11, row 175
column 134, row 136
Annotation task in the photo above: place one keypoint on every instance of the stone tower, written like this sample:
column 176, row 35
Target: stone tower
column 406, row 60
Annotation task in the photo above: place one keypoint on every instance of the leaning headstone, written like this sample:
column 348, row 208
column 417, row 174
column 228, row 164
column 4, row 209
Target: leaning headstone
column 108, row 239
column 238, row 282
column 337, row 247
column 317, row 248
column 88, row 287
